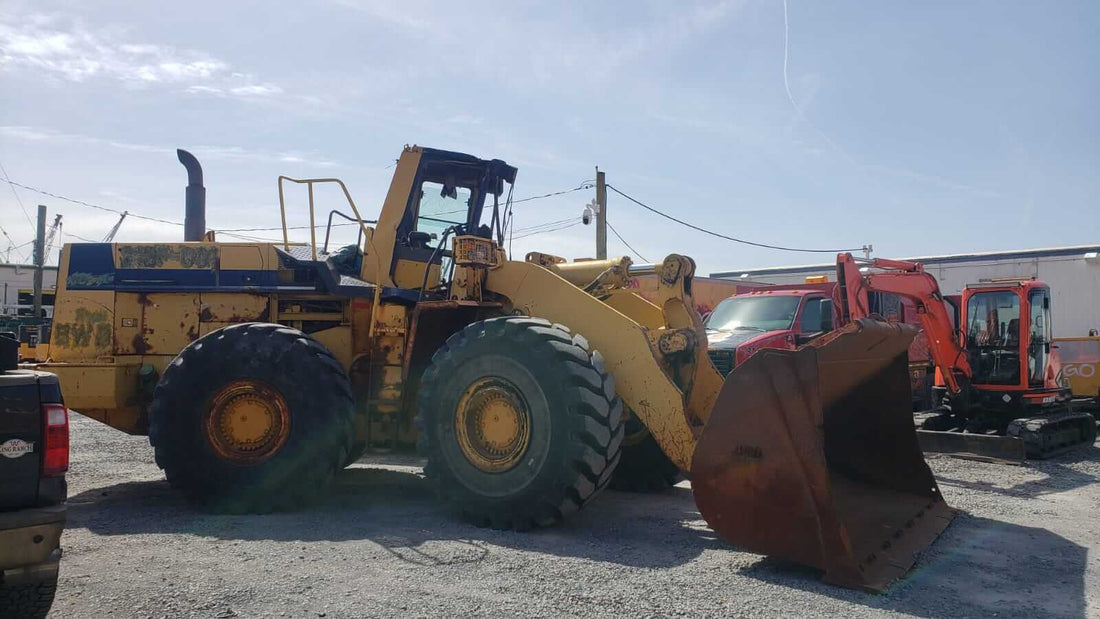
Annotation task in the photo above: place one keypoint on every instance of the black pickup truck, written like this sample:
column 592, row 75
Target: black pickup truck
column 34, row 456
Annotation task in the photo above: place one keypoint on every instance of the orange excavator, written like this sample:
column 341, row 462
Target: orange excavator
column 1001, row 385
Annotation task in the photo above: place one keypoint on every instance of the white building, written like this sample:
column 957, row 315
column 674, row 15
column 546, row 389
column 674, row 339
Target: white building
column 17, row 288
column 1073, row 274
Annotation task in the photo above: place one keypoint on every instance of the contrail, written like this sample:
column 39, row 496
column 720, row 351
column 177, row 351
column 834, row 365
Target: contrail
column 786, row 59
column 800, row 116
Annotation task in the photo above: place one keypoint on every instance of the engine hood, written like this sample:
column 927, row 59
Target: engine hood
column 730, row 340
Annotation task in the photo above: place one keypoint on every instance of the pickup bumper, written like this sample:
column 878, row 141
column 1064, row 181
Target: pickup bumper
column 30, row 542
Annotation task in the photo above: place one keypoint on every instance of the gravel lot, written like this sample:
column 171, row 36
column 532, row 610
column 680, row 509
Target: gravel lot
column 381, row 546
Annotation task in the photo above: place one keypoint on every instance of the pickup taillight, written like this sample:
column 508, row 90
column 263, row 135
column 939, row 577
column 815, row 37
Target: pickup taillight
column 55, row 437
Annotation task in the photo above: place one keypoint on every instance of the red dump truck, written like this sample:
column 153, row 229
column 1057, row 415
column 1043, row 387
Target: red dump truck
column 787, row 316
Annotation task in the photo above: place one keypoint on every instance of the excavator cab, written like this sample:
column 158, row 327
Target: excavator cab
column 1008, row 334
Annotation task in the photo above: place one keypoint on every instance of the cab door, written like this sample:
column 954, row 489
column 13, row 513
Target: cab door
column 815, row 319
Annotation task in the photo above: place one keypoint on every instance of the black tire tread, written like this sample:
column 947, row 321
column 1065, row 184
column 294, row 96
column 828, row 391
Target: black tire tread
column 594, row 410
column 313, row 475
column 644, row 467
column 27, row 600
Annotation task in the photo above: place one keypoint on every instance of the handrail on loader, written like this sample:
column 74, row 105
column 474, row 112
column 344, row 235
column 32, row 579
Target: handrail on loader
column 310, row 182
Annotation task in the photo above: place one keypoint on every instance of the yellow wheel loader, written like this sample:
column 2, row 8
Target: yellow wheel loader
column 259, row 369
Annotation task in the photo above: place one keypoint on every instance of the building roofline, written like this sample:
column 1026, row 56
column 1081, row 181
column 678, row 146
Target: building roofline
column 926, row 260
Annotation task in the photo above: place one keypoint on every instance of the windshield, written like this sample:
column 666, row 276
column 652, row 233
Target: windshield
column 754, row 313
column 993, row 337
column 436, row 212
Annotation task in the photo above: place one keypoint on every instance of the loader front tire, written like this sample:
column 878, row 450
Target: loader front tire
column 644, row 467
column 519, row 421
column 252, row 418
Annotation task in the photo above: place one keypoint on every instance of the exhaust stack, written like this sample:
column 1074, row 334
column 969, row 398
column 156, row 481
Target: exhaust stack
column 194, row 220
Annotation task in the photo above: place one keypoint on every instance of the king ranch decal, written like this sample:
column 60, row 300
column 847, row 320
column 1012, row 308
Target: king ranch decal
column 15, row 448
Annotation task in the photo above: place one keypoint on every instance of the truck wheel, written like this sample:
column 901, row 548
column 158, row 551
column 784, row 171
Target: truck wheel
column 30, row 600
column 252, row 418
column 644, row 467
column 519, row 421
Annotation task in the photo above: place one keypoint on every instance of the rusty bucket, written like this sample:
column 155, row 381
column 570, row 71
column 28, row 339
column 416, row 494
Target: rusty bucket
column 812, row 456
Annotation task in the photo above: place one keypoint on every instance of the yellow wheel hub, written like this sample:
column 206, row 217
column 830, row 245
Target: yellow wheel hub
column 247, row 421
column 493, row 425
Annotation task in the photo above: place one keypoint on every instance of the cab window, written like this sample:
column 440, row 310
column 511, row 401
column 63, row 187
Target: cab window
column 817, row 315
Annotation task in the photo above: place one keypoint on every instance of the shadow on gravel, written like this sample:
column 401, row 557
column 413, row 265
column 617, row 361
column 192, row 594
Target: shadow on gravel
column 1059, row 476
column 396, row 510
column 977, row 568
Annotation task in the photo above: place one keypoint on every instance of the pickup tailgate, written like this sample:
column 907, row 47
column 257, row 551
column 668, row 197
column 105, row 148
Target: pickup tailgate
column 20, row 437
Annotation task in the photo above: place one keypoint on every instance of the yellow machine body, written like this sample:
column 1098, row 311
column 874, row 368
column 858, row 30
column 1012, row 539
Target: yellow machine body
column 125, row 310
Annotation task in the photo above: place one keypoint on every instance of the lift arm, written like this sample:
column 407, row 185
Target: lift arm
column 909, row 280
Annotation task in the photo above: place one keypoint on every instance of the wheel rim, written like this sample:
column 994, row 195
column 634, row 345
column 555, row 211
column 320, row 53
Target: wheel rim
column 247, row 422
column 493, row 425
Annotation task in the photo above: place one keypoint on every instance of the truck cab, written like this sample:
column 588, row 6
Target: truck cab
column 788, row 316
column 776, row 317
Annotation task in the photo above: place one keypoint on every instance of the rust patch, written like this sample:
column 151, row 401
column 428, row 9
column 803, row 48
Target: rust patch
column 205, row 315
column 259, row 317
column 139, row 344
column 143, row 299
column 192, row 333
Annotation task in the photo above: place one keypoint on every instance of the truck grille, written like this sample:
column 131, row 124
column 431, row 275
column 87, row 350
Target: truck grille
column 722, row 360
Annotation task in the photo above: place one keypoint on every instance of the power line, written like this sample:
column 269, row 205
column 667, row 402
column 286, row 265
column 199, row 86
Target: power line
column 728, row 238
column 12, row 245
column 620, row 237
column 95, row 206
column 17, row 198
column 545, row 225
column 581, row 187
column 227, row 232
column 577, row 222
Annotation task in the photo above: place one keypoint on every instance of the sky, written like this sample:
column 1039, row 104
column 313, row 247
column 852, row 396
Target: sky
column 918, row 128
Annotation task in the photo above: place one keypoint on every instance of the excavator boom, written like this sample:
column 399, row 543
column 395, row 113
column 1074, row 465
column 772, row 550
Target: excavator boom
column 978, row 409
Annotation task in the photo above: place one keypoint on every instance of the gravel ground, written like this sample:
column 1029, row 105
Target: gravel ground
column 381, row 546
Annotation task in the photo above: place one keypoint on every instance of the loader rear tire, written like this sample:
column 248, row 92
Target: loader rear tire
column 564, row 423
column 644, row 467
column 252, row 418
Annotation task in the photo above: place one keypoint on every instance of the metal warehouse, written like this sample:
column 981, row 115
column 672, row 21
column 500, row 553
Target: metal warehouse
column 1073, row 274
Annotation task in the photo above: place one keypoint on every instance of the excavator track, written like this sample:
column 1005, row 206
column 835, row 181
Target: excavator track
column 1048, row 435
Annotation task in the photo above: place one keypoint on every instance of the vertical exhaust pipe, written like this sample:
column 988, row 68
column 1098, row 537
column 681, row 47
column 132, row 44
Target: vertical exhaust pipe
column 194, row 220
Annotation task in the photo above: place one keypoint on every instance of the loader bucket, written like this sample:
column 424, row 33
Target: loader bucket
column 812, row 456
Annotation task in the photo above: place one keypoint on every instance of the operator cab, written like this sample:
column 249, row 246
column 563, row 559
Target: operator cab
column 434, row 195
column 451, row 194
column 1008, row 333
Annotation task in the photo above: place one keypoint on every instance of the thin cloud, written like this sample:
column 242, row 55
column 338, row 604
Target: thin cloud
column 213, row 152
column 69, row 52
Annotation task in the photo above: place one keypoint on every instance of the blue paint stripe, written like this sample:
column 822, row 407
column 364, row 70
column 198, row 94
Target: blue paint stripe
column 190, row 279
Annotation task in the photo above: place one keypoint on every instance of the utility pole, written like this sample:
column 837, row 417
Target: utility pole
column 39, row 259
column 601, row 216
